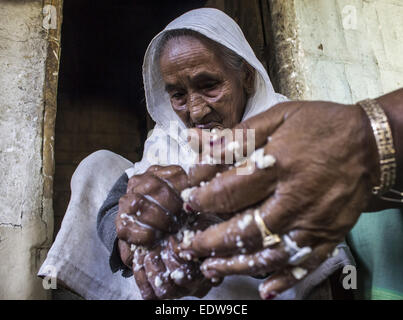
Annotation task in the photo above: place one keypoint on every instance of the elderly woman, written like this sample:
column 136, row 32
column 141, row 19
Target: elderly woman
column 201, row 73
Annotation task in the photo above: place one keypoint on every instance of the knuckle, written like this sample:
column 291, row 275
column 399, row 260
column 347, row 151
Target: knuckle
column 123, row 200
column 121, row 231
column 134, row 182
column 130, row 202
column 154, row 168
column 151, row 185
column 226, row 195
column 148, row 237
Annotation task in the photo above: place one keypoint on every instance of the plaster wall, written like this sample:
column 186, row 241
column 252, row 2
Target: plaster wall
column 25, row 221
column 339, row 50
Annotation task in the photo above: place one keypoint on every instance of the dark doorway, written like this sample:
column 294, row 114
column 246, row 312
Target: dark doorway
column 100, row 95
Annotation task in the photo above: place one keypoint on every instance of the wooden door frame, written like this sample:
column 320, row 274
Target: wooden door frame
column 50, row 107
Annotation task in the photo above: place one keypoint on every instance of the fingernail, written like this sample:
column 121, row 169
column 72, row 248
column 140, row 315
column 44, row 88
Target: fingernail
column 188, row 208
column 270, row 296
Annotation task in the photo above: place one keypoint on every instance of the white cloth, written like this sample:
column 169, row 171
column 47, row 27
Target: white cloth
column 78, row 256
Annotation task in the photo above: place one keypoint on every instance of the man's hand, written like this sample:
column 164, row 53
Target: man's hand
column 326, row 163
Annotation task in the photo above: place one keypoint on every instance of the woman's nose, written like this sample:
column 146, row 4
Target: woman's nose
column 197, row 108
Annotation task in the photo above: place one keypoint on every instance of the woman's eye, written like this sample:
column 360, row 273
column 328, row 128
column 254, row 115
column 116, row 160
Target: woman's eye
column 210, row 85
column 177, row 95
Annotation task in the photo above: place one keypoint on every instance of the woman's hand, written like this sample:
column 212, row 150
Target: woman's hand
column 149, row 214
column 152, row 206
column 162, row 273
column 326, row 163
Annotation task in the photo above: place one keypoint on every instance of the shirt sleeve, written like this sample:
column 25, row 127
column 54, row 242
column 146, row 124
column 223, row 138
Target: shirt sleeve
column 106, row 228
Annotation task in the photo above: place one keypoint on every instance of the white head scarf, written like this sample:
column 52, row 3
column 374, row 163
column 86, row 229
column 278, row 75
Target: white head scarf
column 219, row 27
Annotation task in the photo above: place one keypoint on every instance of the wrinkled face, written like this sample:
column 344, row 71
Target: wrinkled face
column 204, row 93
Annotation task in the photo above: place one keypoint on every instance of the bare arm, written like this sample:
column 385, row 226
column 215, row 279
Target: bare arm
column 326, row 166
